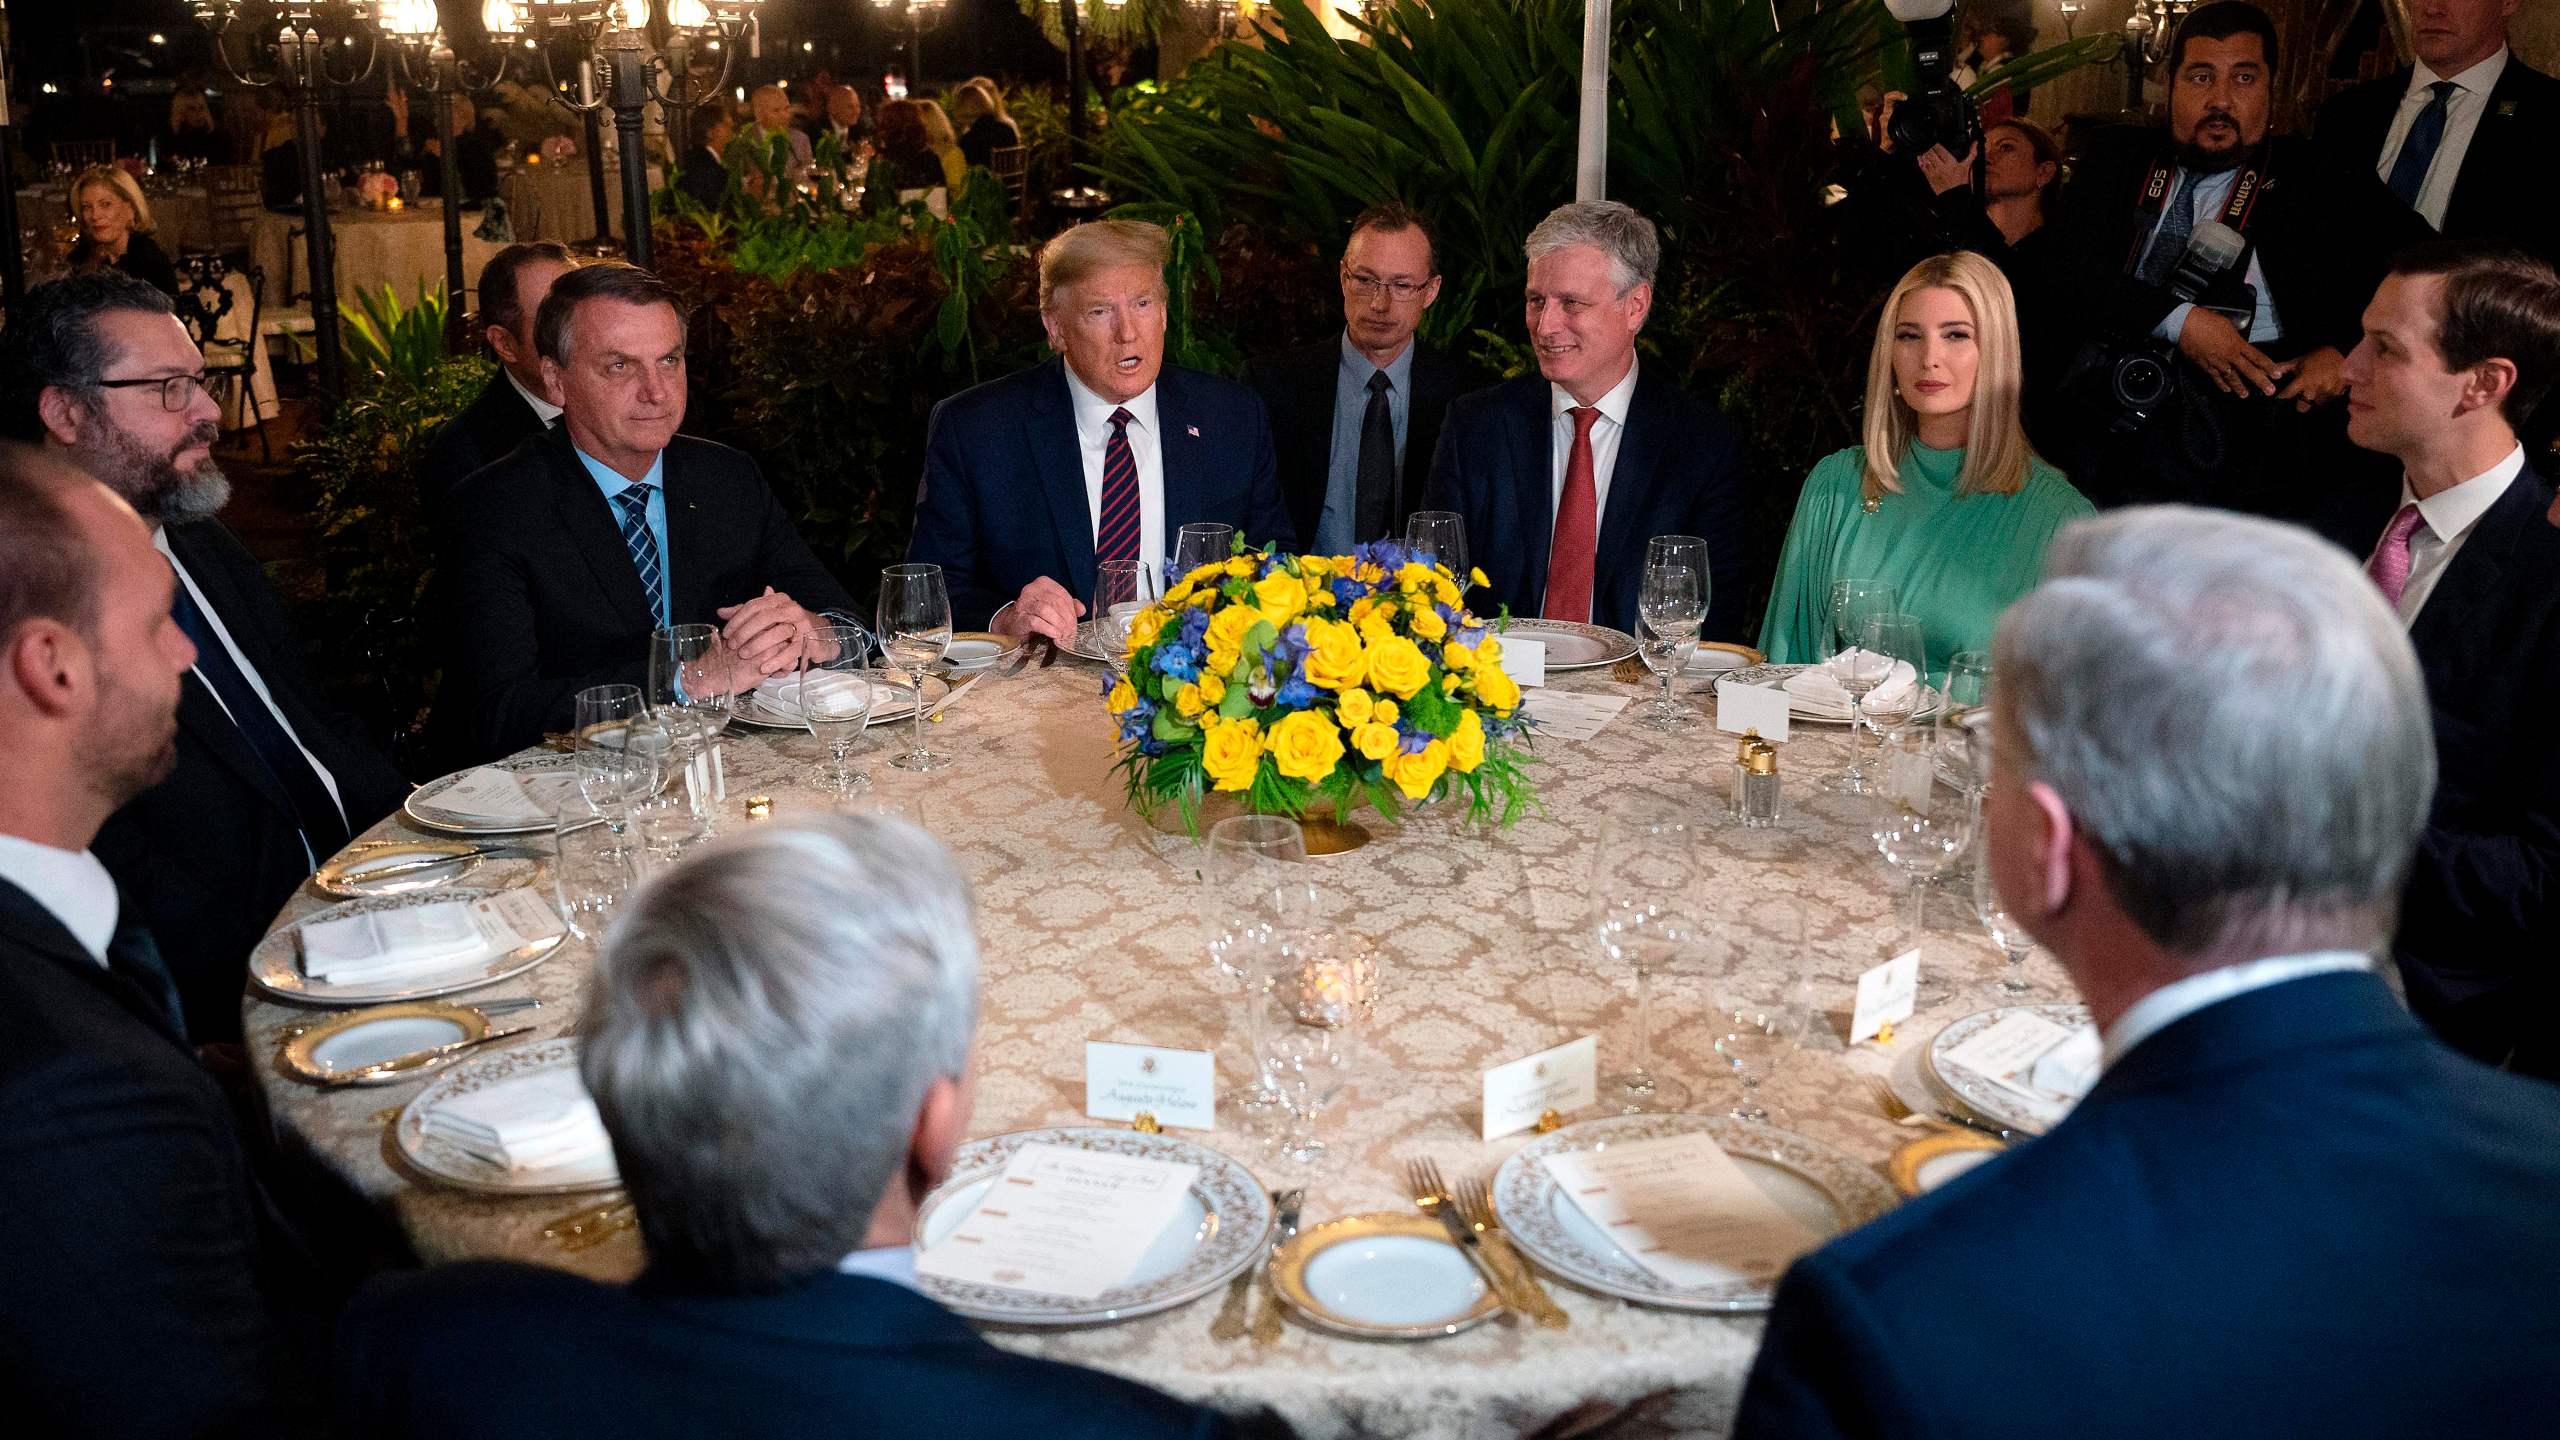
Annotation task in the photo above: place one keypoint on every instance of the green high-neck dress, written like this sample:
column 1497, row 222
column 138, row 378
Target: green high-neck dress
column 1960, row 560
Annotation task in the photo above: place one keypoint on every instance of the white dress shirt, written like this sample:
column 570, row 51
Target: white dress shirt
column 2176, row 1001
column 1605, row 434
column 2445, row 520
column 1146, row 447
column 257, row 682
column 543, row 410
column 2462, row 112
column 893, row 1263
column 69, row 883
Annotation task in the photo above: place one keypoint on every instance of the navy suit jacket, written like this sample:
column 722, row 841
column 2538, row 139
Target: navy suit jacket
column 1003, row 500
column 481, row 435
column 2291, row 1213
column 505, row 1350
column 2479, row 941
column 1679, row 472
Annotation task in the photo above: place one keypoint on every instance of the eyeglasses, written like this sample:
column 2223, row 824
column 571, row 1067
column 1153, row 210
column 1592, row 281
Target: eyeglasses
column 177, row 392
column 1370, row 287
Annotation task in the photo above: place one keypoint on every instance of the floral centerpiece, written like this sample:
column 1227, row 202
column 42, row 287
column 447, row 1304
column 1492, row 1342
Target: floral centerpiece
column 1288, row 680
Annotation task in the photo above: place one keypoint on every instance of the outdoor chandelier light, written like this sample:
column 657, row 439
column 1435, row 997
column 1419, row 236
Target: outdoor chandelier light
column 427, row 60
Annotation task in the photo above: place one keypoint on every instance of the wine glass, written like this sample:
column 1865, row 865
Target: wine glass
column 1203, row 542
column 667, row 825
column 1121, row 588
column 1920, row 827
column 2004, row 931
column 1766, row 998
column 1889, row 643
column 914, row 630
column 690, row 674
column 1968, row 689
column 617, row 751
column 1439, row 537
column 591, row 867
column 1648, row 875
column 835, row 696
column 1255, row 874
column 1314, row 1022
column 1845, row 616
column 1671, row 604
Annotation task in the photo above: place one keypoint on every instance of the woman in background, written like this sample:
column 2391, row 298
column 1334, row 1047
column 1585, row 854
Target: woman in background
column 977, row 108
column 115, row 229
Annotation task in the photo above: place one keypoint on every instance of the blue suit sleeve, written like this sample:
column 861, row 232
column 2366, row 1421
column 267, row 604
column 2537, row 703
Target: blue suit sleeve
column 1268, row 508
column 946, row 532
column 1823, row 1372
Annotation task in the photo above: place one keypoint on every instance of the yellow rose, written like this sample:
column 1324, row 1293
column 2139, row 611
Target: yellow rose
column 1121, row 700
column 1179, row 593
column 1240, row 566
column 1187, row 700
column 1314, row 567
column 1489, row 651
column 1206, row 576
column 1378, row 627
column 1232, row 752
column 1375, row 741
column 1369, row 572
column 1334, row 660
column 1384, row 713
column 1319, row 598
column 1457, row 656
column 1305, row 744
column 1220, row 663
column 1352, row 706
column 1495, row 688
column 1477, row 575
column 1146, row 627
column 1397, row 666
column 1204, row 599
column 1227, row 631
column 1281, row 596
column 1360, row 609
column 1446, row 590
column 1466, row 743
column 1415, row 576
column 1213, row 686
column 1449, row 684
column 1415, row 774
column 1428, row 624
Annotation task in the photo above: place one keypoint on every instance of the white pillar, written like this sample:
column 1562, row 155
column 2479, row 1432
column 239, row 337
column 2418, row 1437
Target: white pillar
column 1591, row 166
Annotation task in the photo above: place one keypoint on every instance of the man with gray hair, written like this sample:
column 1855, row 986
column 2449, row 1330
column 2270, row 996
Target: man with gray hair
column 782, row 1092
column 2284, row 1209
column 1562, row 476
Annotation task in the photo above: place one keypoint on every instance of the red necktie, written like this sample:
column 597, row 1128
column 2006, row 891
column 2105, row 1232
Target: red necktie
column 1577, row 536
column 1116, row 537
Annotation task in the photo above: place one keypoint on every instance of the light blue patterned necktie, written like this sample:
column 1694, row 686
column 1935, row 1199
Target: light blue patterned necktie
column 633, row 502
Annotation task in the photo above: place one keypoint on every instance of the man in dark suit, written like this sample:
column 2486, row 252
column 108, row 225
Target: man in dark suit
column 704, row 175
column 1102, row 454
column 781, row 1097
column 143, row 1295
column 271, row 780
column 557, row 563
column 2461, row 342
column 2284, row 1208
column 1562, row 476
column 839, row 118
column 2253, row 369
column 511, row 408
column 1355, row 416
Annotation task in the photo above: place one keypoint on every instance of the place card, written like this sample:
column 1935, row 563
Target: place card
column 1178, row 1087
column 1062, row 1221
column 2071, row 1067
column 1524, row 660
column 1683, row 1209
column 1887, row 993
column 1752, row 707
column 1561, row 716
column 1563, row 1079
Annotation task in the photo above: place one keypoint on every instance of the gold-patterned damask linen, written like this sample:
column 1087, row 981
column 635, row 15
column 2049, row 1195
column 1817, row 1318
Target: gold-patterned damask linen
column 1093, row 926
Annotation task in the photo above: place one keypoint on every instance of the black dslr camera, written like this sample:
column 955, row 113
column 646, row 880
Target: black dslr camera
column 2138, row 368
column 1937, row 112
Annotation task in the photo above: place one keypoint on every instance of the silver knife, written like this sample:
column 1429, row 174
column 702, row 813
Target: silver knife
column 947, row 701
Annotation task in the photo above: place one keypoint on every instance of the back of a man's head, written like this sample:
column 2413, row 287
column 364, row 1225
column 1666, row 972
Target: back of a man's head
column 766, row 1021
column 2235, row 720
column 54, row 339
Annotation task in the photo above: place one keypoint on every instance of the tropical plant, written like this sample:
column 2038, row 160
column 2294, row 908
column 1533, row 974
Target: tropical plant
column 402, row 344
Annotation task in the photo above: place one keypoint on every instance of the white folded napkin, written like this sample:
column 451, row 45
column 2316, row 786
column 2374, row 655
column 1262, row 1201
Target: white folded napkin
column 544, row 1120
column 397, row 944
column 780, row 694
column 1816, row 689
column 491, row 795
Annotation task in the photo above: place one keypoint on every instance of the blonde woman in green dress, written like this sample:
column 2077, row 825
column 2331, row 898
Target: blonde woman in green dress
column 1945, row 500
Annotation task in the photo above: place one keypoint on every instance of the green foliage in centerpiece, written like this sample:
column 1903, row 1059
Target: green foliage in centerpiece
column 1290, row 680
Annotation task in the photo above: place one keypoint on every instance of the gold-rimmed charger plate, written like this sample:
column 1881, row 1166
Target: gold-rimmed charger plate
column 1388, row 1275
column 344, row 875
column 891, row 701
column 974, row 650
column 326, row 1053
column 1938, row 1157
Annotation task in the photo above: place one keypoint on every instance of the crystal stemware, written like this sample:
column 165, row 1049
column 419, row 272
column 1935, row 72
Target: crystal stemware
column 1845, row 616
column 1648, row 875
column 1203, row 542
column 835, row 696
column 592, row 867
column 914, row 630
column 1439, row 537
column 1671, row 604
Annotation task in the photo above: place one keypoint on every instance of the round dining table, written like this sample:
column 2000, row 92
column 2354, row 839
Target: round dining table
column 1094, row 925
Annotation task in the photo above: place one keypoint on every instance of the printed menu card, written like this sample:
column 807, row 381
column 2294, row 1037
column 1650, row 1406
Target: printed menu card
column 1683, row 1209
column 1062, row 1221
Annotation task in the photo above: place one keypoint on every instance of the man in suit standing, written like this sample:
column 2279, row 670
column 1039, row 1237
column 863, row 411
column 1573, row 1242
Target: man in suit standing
column 780, row 1096
column 2210, row 768
column 1355, row 416
column 510, row 409
column 1104, row 453
column 2461, row 342
column 271, row 780
column 558, row 563
column 2247, row 420
column 141, row 1297
column 1562, row 476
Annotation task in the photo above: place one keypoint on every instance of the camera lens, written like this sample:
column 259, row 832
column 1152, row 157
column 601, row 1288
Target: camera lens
column 2140, row 381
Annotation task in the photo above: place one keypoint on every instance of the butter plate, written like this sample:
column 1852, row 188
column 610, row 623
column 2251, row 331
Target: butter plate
column 328, row 1052
column 1391, row 1275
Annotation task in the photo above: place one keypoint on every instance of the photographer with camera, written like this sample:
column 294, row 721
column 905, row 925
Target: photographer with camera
column 2211, row 273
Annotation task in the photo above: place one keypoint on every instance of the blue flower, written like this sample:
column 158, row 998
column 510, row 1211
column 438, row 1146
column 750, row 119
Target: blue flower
column 1297, row 694
column 1410, row 741
column 1291, row 646
column 1346, row 590
column 1179, row 661
column 1195, row 626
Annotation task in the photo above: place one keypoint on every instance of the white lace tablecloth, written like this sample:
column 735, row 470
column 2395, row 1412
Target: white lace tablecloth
column 401, row 248
column 1091, row 929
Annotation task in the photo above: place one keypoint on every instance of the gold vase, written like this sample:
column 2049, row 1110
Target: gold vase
column 1325, row 835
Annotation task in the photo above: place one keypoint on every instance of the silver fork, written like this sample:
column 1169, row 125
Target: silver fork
column 1475, row 1206
column 1230, row 1321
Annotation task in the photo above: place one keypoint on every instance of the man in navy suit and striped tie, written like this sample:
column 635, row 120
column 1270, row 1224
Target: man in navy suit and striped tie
column 1034, row 480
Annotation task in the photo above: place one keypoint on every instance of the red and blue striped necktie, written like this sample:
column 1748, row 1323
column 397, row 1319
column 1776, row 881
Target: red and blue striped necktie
column 1116, row 536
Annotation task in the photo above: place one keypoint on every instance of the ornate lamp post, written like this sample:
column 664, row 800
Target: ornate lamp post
column 2148, row 34
column 299, row 46
column 428, row 62
column 642, row 50
column 920, row 13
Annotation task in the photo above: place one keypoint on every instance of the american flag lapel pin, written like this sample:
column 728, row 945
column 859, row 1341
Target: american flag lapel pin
column 1191, row 430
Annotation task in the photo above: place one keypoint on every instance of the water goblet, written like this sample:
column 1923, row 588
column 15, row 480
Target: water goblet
column 1671, row 605
column 1121, row 588
column 1439, row 537
column 1314, row 1029
column 835, row 696
column 1647, row 875
column 1203, row 542
column 1845, row 616
column 615, row 761
column 2003, row 929
column 591, row 868
column 914, row 629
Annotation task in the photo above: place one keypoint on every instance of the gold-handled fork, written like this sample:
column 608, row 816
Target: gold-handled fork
column 1431, row 1197
column 582, row 1229
column 1899, row 1111
column 1475, row 1206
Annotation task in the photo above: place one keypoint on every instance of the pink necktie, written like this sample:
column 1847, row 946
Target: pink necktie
column 2389, row 566
column 1577, row 535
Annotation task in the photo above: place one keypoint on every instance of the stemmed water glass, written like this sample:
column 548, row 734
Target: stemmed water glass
column 1648, row 877
column 619, row 749
column 914, row 629
column 1968, row 689
column 1766, row 997
column 1889, row 642
column 1671, row 603
column 1998, row 924
column 835, row 697
column 1439, row 537
column 1256, row 876
column 1852, row 602
column 1121, row 588
column 591, row 867
column 691, row 672
column 1203, row 542
column 1314, row 1025
column 1920, row 827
